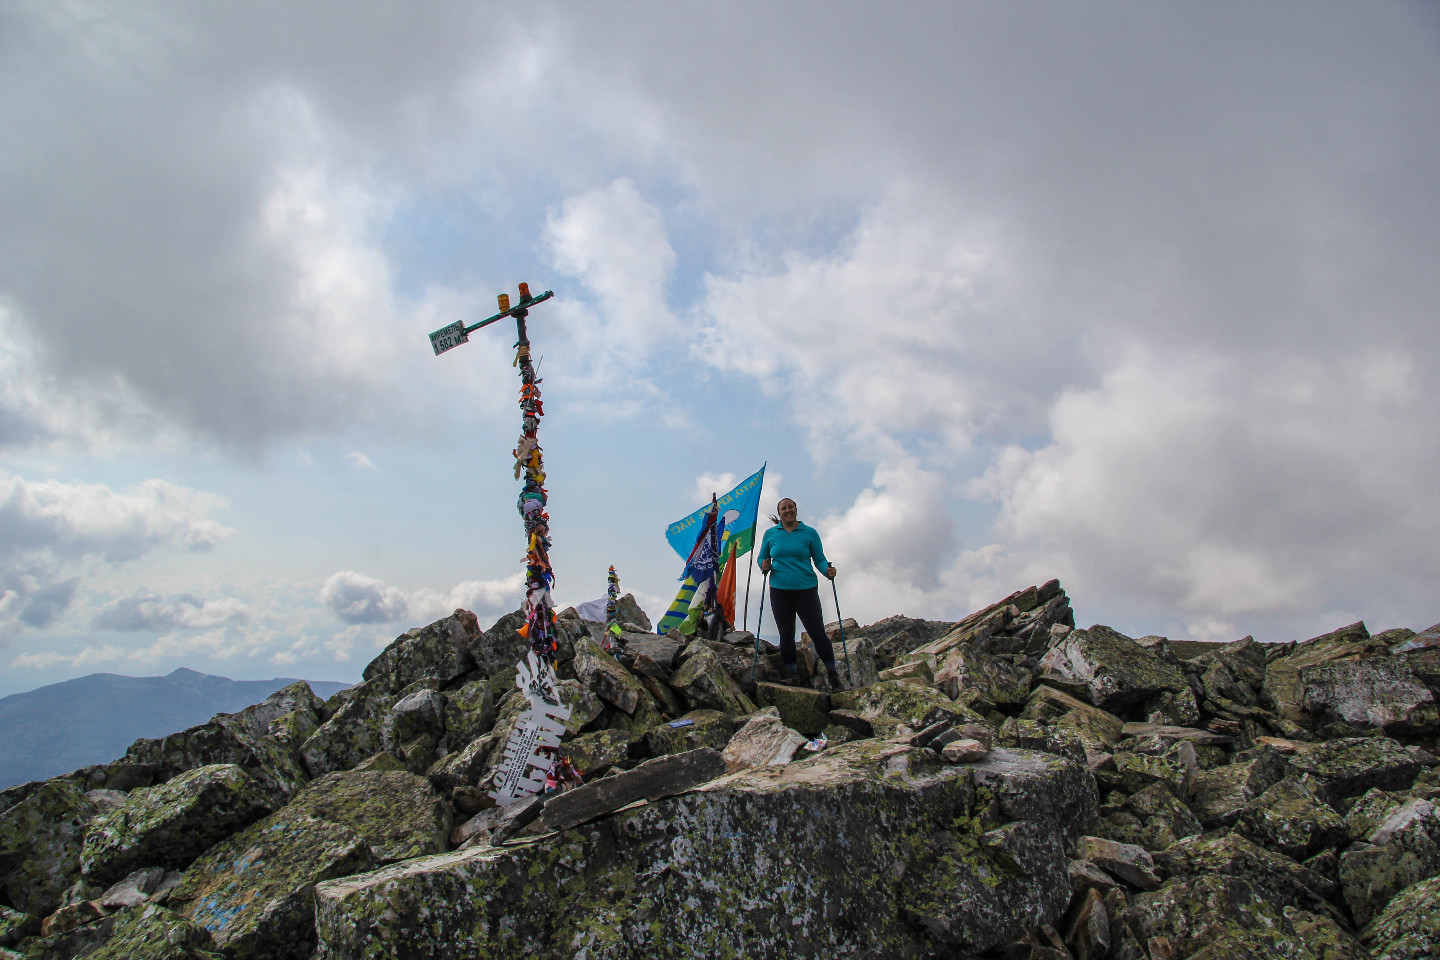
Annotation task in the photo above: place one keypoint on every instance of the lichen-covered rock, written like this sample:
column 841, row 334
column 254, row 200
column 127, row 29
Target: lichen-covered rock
column 1284, row 688
column 440, row 650
column 1348, row 767
column 1280, row 880
column 1214, row 917
column 40, row 840
column 1134, row 772
column 254, row 892
column 706, row 728
column 1370, row 811
column 1409, row 926
column 469, row 712
column 1221, row 792
column 1115, row 671
column 1290, row 818
column 1403, row 850
column 352, row 733
column 418, row 716
column 399, row 814
column 998, row 682
column 1377, row 692
column 1153, row 819
column 855, row 661
column 602, row 674
column 911, row 851
column 227, row 739
column 705, row 685
column 764, row 739
column 802, row 709
column 911, row 703
column 280, row 710
column 155, row 933
column 1099, row 730
column 15, row 926
column 1023, row 734
column 172, row 824
column 594, row 753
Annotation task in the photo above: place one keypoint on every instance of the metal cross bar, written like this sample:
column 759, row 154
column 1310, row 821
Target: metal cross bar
column 450, row 337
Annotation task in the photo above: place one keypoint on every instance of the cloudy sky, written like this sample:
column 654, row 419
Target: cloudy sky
column 1141, row 296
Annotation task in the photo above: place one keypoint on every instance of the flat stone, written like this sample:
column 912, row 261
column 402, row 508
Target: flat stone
column 1125, row 861
column 964, row 751
column 662, row 650
column 763, row 740
column 913, row 856
column 1201, row 738
column 133, row 890
column 70, row 916
column 660, row 777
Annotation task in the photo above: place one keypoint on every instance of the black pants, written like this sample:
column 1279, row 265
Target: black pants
column 786, row 604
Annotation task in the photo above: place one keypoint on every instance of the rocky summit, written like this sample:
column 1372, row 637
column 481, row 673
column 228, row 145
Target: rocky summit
column 1005, row 786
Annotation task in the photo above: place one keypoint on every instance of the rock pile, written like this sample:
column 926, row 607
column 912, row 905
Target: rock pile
column 1002, row 786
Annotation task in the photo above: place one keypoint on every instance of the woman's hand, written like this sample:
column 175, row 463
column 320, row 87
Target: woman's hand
column 830, row 572
column 765, row 565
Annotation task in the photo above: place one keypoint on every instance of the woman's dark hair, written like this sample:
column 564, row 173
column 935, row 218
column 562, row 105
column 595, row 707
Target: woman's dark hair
column 774, row 520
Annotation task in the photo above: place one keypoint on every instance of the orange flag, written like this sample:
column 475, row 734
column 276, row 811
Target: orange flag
column 725, row 593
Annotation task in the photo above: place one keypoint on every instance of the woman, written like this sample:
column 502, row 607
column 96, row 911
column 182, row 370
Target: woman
column 788, row 549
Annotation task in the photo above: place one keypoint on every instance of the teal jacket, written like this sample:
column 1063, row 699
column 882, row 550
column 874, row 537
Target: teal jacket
column 790, row 554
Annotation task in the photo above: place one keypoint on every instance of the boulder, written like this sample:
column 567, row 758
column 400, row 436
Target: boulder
column 1221, row 792
column 1278, row 879
column 497, row 650
column 855, row 660
column 1153, row 819
column 595, row 753
column 40, row 840
column 1124, row 861
column 1284, row 688
column 155, row 933
column 802, row 709
column 998, row 682
column 469, row 712
column 602, row 674
column 133, row 890
column 418, row 716
column 170, row 825
column 663, row 650
column 1370, row 811
column 352, row 732
column 910, row 703
column 764, row 739
column 1403, row 850
column 288, row 710
column 705, row 684
column 1378, row 692
column 896, row 636
column 1115, row 671
column 16, row 926
column 441, row 650
column 398, row 814
column 698, row 728
column 226, row 739
column 651, row 780
column 964, row 750
column 1087, row 929
column 1133, row 772
column 1409, row 926
column 914, row 858
column 1213, row 917
column 1290, row 818
column 1099, row 730
column 254, row 892
column 1348, row 767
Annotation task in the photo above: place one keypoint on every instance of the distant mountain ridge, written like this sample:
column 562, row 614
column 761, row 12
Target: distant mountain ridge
column 63, row 726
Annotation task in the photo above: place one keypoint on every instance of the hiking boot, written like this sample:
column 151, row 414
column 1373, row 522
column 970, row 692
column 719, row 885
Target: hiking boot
column 834, row 678
column 792, row 678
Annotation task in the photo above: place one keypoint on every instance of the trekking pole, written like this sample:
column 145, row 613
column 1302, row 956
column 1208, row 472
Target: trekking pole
column 840, row 620
column 755, row 665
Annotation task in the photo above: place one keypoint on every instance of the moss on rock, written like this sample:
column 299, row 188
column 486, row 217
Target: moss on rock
column 40, row 840
column 398, row 814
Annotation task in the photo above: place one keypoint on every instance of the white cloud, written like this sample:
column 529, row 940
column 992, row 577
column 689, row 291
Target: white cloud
column 713, row 483
column 148, row 611
column 359, row 461
column 356, row 598
column 49, row 527
column 1234, row 493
